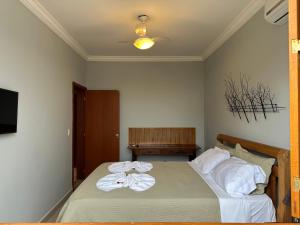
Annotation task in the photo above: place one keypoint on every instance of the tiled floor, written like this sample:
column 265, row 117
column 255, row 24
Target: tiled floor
column 53, row 218
column 54, row 214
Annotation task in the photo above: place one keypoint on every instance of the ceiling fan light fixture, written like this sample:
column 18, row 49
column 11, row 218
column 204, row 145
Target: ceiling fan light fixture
column 144, row 43
column 141, row 29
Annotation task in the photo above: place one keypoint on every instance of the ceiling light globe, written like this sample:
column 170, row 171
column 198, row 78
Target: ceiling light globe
column 143, row 43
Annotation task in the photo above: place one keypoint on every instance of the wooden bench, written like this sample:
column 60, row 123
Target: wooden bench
column 163, row 141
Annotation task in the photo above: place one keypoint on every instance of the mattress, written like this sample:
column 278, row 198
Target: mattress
column 179, row 195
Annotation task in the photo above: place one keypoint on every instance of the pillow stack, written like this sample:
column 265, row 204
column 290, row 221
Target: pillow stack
column 265, row 163
column 237, row 177
column 236, row 170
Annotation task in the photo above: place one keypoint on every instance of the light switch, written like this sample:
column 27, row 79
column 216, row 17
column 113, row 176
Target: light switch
column 69, row 132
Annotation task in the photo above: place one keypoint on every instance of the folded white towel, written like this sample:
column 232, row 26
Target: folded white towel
column 112, row 181
column 136, row 182
column 140, row 182
column 142, row 167
column 122, row 167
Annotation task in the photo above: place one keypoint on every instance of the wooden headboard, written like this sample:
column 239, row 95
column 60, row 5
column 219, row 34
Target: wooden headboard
column 152, row 136
column 279, row 182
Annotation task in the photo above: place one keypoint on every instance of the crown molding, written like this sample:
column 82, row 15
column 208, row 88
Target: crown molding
column 37, row 9
column 241, row 19
column 244, row 16
column 145, row 58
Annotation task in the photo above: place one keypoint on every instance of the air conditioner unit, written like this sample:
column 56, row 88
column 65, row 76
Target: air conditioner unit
column 276, row 11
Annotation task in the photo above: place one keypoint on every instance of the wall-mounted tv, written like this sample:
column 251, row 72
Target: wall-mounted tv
column 8, row 111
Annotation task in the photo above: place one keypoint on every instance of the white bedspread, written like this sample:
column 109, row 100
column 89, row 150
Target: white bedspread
column 248, row 209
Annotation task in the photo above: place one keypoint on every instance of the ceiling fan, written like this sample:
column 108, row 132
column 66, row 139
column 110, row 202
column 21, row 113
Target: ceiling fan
column 144, row 41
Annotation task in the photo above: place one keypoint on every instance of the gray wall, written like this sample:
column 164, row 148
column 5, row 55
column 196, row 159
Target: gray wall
column 153, row 94
column 259, row 50
column 35, row 163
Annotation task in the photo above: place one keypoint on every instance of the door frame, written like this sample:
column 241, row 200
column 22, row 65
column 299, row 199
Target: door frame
column 84, row 89
column 294, row 34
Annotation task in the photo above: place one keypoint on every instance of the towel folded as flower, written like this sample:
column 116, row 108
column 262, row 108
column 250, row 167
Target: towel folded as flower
column 142, row 167
column 122, row 167
column 136, row 182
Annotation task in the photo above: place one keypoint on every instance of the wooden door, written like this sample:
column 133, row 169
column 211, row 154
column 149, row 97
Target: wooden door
column 294, row 36
column 79, row 96
column 102, row 128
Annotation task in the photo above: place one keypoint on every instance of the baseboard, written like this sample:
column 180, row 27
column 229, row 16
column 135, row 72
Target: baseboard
column 53, row 209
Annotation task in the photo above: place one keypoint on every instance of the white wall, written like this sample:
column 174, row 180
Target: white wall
column 259, row 50
column 153, row 95
column 35, row 163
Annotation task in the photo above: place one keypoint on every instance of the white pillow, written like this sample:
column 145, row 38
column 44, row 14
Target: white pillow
column 237, row 177
column 208, row 160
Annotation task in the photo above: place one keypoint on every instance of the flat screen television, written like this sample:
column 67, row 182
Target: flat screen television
column 8, row 111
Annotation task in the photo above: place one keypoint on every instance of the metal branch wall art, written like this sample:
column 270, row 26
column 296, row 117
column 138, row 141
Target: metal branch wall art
column 244, row 100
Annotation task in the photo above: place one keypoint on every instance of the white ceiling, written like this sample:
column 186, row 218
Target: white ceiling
column 94, row 27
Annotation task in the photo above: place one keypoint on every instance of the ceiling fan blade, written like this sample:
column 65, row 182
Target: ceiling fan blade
column 124, row 42
column 161, row 39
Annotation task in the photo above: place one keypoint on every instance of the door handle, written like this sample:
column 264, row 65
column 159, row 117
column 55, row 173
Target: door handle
column 117, row 135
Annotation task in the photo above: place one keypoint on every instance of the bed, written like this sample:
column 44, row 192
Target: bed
column 181, row 194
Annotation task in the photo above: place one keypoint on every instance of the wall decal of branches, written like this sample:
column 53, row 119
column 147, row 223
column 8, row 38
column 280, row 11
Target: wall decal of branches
column 243, row 99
